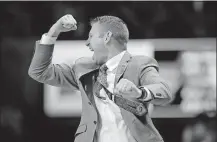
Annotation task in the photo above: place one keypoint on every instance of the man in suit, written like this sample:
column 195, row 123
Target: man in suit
column 133, row 77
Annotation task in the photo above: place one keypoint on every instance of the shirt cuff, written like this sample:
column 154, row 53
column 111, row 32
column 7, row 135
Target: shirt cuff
column 45, row 39
column 148, row 96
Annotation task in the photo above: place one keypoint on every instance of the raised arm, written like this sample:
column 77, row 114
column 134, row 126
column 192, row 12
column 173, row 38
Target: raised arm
column 41, row 68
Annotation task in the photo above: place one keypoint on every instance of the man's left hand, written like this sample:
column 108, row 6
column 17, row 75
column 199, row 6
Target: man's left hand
column 127, row 89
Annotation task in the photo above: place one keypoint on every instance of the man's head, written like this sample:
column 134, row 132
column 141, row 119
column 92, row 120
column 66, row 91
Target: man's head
column 107, row 32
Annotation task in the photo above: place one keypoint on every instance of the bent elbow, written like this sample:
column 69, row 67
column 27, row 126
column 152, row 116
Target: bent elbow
column 34, row 74
column 169, row 96
column 168, row 100
column 30, row 73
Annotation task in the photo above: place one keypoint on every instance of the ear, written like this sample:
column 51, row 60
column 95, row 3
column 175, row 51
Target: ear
column 107, row 37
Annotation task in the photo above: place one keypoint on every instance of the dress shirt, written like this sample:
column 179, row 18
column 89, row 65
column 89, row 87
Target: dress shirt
column 112, row 126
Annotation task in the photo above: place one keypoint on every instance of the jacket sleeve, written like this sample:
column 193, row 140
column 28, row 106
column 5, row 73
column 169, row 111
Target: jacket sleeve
column 42, row 70
column 150, row 79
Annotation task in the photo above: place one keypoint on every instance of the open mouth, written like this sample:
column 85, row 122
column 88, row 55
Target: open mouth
column 91, row 49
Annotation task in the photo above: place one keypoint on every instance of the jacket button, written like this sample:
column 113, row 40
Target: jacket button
column 94, row 122
column 89, row 103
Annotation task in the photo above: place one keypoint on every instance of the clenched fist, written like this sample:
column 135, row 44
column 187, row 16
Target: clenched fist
column 127, row 89
column 64, row 24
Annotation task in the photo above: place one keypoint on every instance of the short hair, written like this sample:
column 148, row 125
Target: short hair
column 116, row 25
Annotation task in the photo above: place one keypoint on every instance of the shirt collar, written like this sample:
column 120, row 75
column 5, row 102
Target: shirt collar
column 114, row 61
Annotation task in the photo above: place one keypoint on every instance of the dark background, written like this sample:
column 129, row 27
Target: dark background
column 22, row 23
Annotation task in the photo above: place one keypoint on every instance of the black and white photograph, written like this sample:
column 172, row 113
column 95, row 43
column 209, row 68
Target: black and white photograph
column 108, row 71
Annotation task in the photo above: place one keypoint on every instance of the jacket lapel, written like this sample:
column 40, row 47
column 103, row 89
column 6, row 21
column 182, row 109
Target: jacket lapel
column 122, row 66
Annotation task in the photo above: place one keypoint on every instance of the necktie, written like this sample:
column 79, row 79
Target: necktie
column 101, row 80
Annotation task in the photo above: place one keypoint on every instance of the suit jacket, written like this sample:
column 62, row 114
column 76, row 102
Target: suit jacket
column 141, row 70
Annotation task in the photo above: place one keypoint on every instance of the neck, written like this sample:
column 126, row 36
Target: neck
column 113, row 52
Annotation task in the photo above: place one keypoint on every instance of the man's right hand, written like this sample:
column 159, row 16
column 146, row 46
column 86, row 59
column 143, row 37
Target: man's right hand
column 64, row 24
